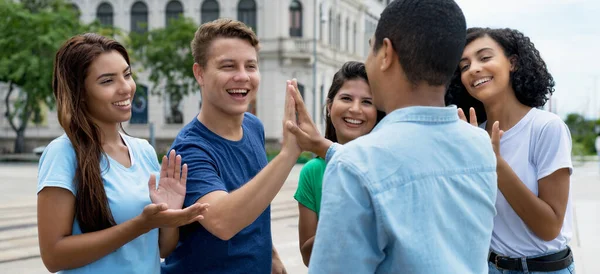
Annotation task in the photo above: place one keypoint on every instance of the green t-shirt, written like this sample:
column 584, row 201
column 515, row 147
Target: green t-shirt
column 310, row 185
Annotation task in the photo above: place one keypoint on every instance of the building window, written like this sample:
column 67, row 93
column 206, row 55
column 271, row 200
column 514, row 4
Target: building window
column 174, row 113
column 321, row 22
column 347, row 34
column 296, row 19
column 323, row 101
column 174, row 10
column 139, row 107
column 104, row 14
column 209, row 11
column 247, row 13
column 338, row 32
column 330, row 24
column 76, row 9
column 354, row 38
column 139, row 17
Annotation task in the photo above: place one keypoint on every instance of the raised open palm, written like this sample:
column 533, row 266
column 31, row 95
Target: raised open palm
column 171, row 186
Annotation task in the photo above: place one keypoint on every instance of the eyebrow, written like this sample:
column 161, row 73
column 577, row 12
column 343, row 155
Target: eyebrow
column 478, row 52
column 233, row 61
column 112, row 74
column 349, row 95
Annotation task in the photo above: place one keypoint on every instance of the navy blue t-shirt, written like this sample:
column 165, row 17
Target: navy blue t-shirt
column 215, row 163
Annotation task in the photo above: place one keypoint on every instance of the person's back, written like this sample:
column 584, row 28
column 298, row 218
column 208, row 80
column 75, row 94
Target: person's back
column 432, row 187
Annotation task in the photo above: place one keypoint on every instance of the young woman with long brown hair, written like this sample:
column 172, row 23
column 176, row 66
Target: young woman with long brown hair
column 99, row 205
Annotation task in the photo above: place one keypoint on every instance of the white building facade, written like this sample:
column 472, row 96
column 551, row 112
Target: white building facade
column 287, row 33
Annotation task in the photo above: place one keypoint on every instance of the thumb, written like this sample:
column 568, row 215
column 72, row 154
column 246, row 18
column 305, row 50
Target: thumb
column 152, row 183
column 294, row 129
column 155, row 208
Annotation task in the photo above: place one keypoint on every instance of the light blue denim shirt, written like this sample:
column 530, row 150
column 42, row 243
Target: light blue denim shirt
column 416, row 195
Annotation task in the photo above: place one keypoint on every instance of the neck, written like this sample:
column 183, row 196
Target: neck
column 222, row 124
column 110, row 134
column 508, row 111
column 408, row 95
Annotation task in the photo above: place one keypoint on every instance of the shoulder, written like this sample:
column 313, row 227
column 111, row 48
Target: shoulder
column 60, row 146
column 316, row 164
column 252, row 121
column 544, row 122
column 141, row 146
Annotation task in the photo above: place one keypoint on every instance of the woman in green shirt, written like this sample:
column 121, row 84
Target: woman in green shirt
column 350, row 114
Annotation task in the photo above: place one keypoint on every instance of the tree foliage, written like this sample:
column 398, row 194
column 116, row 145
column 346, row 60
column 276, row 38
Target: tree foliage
column 166, row 54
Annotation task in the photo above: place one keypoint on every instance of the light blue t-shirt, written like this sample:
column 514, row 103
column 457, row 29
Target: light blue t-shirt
column 127, row 192
column 416, row 195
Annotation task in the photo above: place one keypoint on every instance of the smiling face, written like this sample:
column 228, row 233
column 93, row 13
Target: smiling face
column 352, row 111
column 230, row 78
column 485, row 69
column 109, row 89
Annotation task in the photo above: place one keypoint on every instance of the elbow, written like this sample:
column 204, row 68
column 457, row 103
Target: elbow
column 220, row 229
column 51, row 263
column 550, row 232
column 306, row 251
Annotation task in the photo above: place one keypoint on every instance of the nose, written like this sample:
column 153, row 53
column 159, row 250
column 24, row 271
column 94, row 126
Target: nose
column 355, row 107
column 475, row 68
column 241, row 76
column 126, row 85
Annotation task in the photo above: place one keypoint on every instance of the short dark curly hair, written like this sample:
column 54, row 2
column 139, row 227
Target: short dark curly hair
column 532, row 82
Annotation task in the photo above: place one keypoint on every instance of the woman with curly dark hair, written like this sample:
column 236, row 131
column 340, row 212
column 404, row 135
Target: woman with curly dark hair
column 503, row 78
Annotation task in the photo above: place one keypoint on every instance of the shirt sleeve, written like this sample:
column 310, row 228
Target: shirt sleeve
column 347, row 222
column 331, row 151
column 57, row 166
column 552, row 151
column 203, row 175
column 305, row 194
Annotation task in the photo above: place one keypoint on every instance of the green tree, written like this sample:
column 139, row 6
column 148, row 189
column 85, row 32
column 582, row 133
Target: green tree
column 31, row 31
column 582, row 132
column 166, row 53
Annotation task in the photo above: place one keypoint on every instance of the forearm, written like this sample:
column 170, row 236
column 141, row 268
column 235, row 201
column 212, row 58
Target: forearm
column 167, row 240
column 306, row 250
column 79, row 250
column 235, row 211
column 535, row 212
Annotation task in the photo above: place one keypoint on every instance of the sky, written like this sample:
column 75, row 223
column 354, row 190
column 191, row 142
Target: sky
column 567, row 34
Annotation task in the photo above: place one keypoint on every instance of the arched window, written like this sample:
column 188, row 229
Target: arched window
column 296, row 19
column 347, row 48
column 209, row 11
column 174, row 10
column 76, row 9
column 338, row 31
column 139, row 17
column 247, row 13
column 105, row 13
column 354, row 36
column 330, row 22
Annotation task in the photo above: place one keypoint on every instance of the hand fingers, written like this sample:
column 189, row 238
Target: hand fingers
column 496, row 135
column 155, row 208
column 473, row 117
column 184, row 174
column 177, row 167
column 303, row 116
column 294, row 129
column 461, row 115
column 163, row 167
column 152, row 183
column 170, row 167
column 290, row 108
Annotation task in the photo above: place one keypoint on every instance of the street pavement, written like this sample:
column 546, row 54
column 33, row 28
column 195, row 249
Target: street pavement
column 19, row 251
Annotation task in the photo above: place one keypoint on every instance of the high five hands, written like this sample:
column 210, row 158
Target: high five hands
column 496, row 133
column 302, row 126
column 167, row 199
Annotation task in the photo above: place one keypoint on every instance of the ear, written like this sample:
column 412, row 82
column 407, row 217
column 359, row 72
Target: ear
column 388, row 54
column 513, row 63
column 329, row 108
column 198, row 73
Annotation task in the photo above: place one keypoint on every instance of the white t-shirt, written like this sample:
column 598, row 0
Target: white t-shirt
column 535, row 147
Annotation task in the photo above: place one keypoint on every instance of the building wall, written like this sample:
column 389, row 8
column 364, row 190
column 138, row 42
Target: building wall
column 281, row 57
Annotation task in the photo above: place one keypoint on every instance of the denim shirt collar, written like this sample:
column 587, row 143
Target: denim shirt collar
column 420, row 114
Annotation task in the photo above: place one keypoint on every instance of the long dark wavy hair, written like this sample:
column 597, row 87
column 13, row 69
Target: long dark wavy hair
column 71, row 66
column 532, row 82
column 350, row 71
